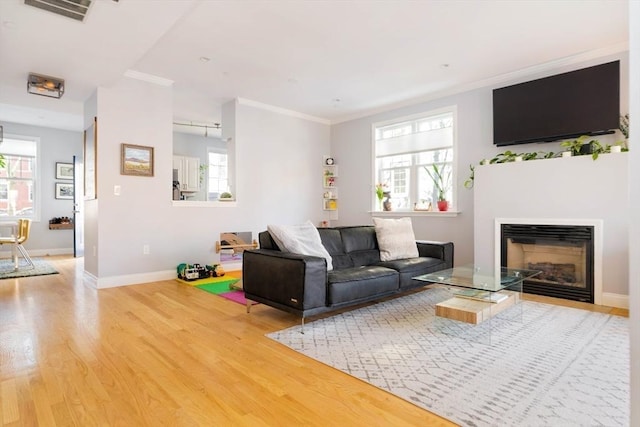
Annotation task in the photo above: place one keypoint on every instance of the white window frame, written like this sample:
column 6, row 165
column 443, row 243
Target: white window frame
column 34, row 182
column 220, row 152
column 413, row 168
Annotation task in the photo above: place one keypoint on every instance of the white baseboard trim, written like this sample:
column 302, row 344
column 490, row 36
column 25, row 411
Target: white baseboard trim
column 615, row 300
column 89, row 279
column 133, row 279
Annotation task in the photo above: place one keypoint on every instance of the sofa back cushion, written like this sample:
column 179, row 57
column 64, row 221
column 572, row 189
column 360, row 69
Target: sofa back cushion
column 361, row 244
column 267, row 242
column 301, row 239
column 332, row 241
column 395, row 238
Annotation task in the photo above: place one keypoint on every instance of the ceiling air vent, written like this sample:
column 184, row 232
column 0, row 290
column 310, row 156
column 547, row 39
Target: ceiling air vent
column 74, row 9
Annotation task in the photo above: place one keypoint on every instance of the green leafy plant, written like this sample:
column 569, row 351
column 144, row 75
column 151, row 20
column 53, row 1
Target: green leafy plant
column 581, row 146
column 507, row 156
column 380, row 190
column 469, row 181
column 624, row 125
column 226, row 195
column 441, row 177
column 203, row 172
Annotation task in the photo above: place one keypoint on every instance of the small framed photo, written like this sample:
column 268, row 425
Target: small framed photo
column 64, row 190
column 136, row 160
column 64, row 170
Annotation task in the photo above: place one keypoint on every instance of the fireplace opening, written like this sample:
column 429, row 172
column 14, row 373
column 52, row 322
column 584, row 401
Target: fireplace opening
column 563, row 254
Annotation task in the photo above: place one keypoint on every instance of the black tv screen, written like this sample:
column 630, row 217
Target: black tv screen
column 568, row 105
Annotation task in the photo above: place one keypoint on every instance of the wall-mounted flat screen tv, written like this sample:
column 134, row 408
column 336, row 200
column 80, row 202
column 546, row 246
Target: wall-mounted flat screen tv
column 568, row 105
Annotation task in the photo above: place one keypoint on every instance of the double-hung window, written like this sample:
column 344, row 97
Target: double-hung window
column 218, row 181
column 18, row 178
column 410, row 153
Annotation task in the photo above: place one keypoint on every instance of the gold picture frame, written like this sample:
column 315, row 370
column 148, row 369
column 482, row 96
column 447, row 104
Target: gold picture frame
column 136, row 160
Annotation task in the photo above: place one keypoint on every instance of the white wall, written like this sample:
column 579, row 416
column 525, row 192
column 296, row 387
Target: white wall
column 351, row 145
column 140, row 113
column 279, row 159
column 576, row 188
column 55, row 146
column 634, row 211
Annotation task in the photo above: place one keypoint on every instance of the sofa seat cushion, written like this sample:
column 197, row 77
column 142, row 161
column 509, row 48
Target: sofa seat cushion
column 360, row 283
column 410, row 265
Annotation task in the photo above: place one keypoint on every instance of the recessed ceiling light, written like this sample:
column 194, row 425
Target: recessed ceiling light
column 292, row 80
column 444, row 65
column 204, row 59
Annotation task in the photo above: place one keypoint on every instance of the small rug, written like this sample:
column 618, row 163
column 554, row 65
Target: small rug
column 237, row 296
column 41, row 268
column 557, row 366
column 217, row 288
column 209, row 280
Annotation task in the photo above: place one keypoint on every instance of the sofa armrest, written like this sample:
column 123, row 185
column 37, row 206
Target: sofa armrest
column 298, row 282
column 439, row 250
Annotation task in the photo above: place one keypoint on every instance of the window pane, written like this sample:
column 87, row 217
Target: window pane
column 17, row 200
column 406, row 153
column 217, row 176
column 18, row 191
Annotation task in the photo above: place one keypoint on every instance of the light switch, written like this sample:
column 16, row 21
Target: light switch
column 116, row 190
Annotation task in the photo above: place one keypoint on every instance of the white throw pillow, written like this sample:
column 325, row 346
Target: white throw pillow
column 395, row 238
column 302, row 239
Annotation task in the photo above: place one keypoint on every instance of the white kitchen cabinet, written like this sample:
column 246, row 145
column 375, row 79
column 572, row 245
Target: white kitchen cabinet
column 188, row 173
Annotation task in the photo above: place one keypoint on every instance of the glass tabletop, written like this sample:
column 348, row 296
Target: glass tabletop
column 475, row 277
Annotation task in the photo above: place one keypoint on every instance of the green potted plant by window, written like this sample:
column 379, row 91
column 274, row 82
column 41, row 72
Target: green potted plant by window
column 381, row 191
column 441, row 178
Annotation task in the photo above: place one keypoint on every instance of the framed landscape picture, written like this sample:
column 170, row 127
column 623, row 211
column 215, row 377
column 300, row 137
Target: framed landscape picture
column 136, row 160
column 64, row 190
column 64, row 170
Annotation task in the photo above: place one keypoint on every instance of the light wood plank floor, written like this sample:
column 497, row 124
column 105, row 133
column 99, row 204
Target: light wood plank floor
column 164, row 353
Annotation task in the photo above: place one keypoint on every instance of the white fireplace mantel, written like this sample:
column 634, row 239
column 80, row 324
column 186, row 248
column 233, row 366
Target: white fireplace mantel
column 576, row 190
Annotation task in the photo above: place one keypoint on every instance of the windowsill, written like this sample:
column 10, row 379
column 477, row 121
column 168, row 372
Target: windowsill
column 203, row 204
column 416, row 213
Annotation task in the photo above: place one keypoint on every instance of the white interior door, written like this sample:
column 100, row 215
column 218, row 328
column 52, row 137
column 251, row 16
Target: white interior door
column 78, row 207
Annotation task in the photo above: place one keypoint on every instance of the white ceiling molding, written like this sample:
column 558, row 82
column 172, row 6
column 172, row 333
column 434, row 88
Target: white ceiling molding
column 149, row 78
column 496, row 81
column 284, row 111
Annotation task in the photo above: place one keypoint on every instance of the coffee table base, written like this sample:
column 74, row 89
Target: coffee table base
column 473, row 311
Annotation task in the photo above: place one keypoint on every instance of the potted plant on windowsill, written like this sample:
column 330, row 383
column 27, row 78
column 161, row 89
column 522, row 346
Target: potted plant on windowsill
column 225, row 197
column 441, row 180
column 381, row 193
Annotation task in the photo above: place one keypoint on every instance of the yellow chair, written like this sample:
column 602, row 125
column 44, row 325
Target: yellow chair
column 22, row 234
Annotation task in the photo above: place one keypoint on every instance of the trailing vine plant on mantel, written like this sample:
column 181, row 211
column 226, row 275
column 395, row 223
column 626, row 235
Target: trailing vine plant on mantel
column 578, row 147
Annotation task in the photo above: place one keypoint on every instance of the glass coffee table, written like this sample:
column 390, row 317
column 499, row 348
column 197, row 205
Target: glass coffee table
column 477, row 294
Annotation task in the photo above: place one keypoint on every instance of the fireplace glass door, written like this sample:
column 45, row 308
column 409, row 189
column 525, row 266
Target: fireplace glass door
column 564, row 254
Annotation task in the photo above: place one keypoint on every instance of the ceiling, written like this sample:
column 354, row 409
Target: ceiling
column 333, row 60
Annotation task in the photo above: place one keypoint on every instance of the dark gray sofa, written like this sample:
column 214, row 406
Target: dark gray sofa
column 301, row 284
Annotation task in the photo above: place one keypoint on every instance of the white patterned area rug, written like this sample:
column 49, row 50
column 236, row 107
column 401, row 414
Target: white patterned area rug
column 555, row 366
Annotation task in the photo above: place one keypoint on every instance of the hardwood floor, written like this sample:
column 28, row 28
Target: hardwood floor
column 164, row 353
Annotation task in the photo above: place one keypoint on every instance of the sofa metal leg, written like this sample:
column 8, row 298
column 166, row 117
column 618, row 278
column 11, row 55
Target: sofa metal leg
column 302, row 325
column 248, row 306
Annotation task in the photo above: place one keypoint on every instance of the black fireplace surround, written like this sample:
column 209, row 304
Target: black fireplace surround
column 558, row 279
